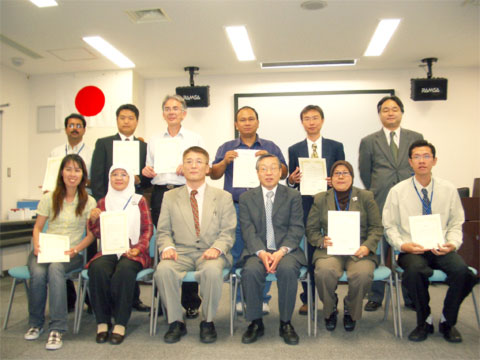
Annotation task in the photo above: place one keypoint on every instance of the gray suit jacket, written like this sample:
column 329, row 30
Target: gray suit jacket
column 287, row 218
column 378, row 170
column 217, row 228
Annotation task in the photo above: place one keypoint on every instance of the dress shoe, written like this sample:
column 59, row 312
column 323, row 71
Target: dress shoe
column 372, row 306
column 421, row 332
column 287, row 332
column 450, row 333
column 348, row 322
column 176, row 330
column 208, row 334
column 303, row 309
column 139, row 306
column 331, row 321
column 192, row 313
column 116, row 339
column 102, row 337
column 254, row 331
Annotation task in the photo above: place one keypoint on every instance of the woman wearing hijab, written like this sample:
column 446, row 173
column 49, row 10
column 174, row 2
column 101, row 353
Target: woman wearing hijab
column 360, row 266
column 112, row 277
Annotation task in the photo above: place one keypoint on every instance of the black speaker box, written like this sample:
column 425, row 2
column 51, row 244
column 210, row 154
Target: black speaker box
column 428, row 89
column 195, row 96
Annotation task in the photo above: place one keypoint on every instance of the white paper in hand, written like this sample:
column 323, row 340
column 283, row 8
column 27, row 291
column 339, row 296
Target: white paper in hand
column 52, row 248
column 344, row 230
column 114, row 232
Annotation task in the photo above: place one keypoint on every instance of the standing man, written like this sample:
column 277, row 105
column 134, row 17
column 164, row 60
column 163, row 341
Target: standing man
column 314, row 146
column 127, row 121
column 174, row 111
column 195, row 233
column 246, row 123
column 271, row 219
column 423, row 194
column 383, row 162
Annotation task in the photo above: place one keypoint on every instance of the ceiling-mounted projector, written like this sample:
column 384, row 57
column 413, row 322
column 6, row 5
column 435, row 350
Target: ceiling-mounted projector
column 430, row 88
column 195, row 96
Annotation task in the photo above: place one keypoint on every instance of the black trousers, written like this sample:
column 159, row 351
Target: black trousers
column 418, row 268
column 111, row 285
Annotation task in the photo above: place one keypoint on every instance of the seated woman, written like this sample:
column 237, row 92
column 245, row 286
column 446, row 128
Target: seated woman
column 360, row 266
column 66, row 210
column 113, row 277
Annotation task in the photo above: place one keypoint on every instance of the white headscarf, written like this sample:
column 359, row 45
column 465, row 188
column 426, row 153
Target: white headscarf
column 125, row 200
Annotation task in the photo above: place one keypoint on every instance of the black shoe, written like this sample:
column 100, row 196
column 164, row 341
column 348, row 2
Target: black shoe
column 139, row 306
column 410, row 306
column 348, row 322
column 331, row 322
column 116, row 339
column 287, row 332
column 372, row 306
column 192, row 313
column 176, row 330
column 450, row 333
column 102, row 337
column 421, row 332
column 208, row 334
column 254, row 331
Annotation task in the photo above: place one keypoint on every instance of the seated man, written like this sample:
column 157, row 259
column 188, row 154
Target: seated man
column 271, row 218
column 423, row 194
column 196, row 231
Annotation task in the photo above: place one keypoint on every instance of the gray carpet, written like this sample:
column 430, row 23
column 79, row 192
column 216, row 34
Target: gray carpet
column 372, row 338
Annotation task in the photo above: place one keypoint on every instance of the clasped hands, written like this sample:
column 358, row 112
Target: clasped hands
column 271, row 260
column 171, row 254
column 414, row 248
column 360, row 253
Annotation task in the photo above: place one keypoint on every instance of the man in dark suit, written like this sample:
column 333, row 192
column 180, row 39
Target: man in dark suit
column 271, row 220
column 127, row 121
column 383, row 162
column 314, row 146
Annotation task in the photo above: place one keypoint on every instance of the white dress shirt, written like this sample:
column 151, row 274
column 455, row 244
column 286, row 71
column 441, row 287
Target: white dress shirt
column 396, row 138
column 80, row 149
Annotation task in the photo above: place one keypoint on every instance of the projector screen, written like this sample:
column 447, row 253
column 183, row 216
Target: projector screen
column 350, row 115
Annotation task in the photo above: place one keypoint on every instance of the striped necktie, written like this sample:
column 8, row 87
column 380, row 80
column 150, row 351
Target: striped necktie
column 314, row 151
column 194, row 204
column 426, row 207
column 268, row 210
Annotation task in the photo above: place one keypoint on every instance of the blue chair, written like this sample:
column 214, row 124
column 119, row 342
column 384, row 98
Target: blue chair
column 142, row 275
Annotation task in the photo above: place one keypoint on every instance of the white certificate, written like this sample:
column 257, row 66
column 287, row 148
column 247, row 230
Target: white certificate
column 114, row 232
column 168, row 155
column 51, row 174
column 426, row 230
column 52, row 248
column 314, row 172
column 128, row 154
column 344, row 230
column 244, row 172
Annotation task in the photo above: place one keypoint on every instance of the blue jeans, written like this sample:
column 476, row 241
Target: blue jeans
column 52, row 274
column 237, row 250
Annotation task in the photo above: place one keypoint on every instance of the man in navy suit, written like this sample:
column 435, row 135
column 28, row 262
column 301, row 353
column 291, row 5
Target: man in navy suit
column 315, row 145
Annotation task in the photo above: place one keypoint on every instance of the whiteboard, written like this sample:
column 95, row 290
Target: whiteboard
column 350, row 115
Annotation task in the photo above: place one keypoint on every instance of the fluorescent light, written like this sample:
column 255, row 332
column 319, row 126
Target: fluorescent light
column 381, row 37
column 44, row 3
column 238, row 37
column 107, row 50
column 305, row 64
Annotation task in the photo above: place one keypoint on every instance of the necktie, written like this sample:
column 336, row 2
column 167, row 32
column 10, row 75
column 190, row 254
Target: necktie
column 194, row 204
column 427, row 208
column 127, row 139
column 314, row 151
column 393, row 146
column 268, row 210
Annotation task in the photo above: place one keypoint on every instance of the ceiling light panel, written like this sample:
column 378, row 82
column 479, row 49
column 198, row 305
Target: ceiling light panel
column 381, row 37
column 44, row 3
column 305, row 64
column 238, row 37
column 109, row 51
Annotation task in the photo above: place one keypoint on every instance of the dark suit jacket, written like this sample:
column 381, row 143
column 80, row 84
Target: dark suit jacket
column 102, row 161
column 378, row 170
column 331, row 151
column 371, row 229
column 287, row 219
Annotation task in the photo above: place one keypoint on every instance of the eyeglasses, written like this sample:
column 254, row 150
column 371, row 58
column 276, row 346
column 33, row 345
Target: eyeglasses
column 424, row 157
column 197, row 162
column 73, row 126
column 172, row 109
column 264, row 169
column 341, row 173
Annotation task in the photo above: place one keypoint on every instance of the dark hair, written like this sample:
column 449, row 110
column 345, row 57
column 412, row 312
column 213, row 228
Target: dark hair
column 311, row 107
column 266, row 156
column 420, row 143
column 243, row 108
column 393, row 98
column 61, row 190
column 198, row 150
column 75, row 116
column 344, row 163
column 130, row 107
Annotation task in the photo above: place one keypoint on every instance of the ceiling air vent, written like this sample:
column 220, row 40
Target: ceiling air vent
column 147, row 16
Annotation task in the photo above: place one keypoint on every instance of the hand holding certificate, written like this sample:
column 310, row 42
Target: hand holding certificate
column 344, row 231
column 114, row 232
column 426, row 230
column 314, row 173
column 52, row 248
column 244, row 172
column 128, row 153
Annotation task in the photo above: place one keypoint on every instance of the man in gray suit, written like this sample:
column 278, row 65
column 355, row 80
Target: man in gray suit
column 196, row 231
column 383, row 162
column 271, row 219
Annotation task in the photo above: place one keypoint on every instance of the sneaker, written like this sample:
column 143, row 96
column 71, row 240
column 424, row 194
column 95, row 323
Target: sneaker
column 33, row 333
column 54, row 341
column 265, row 308
column 239, row 308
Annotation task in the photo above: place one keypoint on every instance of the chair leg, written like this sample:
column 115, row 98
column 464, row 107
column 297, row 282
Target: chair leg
column 232, row 303
column 399, row 313
column 309, row 305
column 390, row 302
column 9, row 308
column 152, row 307
column 475, row 305
column 83, row 293
column 315, row 314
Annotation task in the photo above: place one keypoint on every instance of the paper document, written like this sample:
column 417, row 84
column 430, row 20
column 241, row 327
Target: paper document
column 51, row 174
column 114, row 232
column 244, row 172
column 52, row 248
column 128, row 154
column 314, row 172
column 168, row 155
column 426, row 230
column 344, row 230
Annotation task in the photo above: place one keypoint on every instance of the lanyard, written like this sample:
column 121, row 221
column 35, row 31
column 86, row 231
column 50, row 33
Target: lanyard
column 79, row 151
column 338, row 205
column 126, row 204
column 429, row 207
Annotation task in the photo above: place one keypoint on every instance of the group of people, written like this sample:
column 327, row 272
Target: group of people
column 259, row 230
